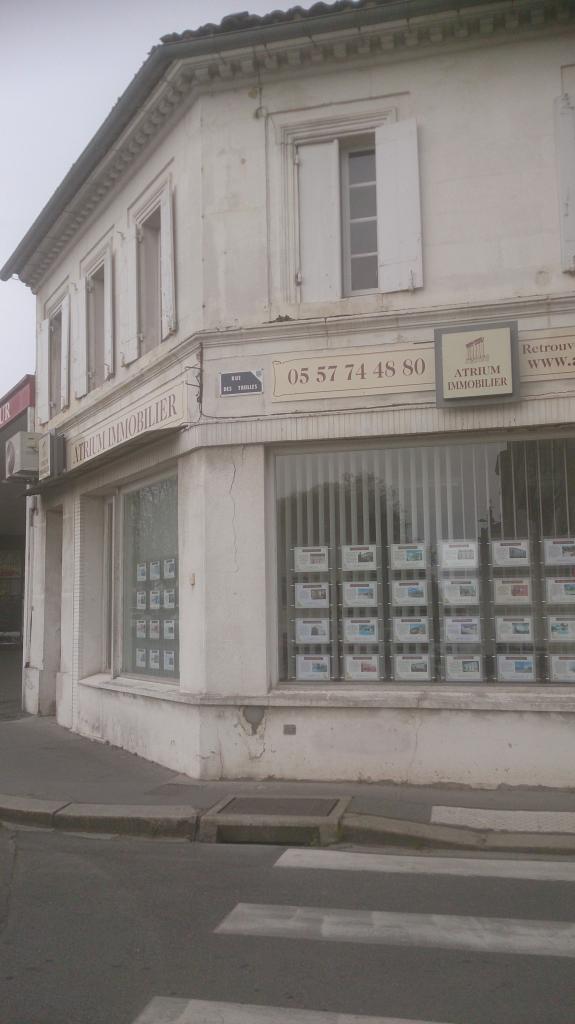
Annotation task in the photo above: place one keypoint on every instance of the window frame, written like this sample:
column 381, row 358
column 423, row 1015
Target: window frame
column 346, row 148
column 339, row 122
column 159, row 197
column 388, row 685
column 116, row 614
column 46, row 409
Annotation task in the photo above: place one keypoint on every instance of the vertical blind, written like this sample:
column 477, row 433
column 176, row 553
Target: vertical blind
column 501, row 490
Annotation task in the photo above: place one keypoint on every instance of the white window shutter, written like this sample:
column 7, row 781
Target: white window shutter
column 319, row 221
column 398, row 207
column 43, row 372
column 565, row 138
column 130, row 345
column 65, row 354
column 108, row 314
column 167, row 268
column 80, row 361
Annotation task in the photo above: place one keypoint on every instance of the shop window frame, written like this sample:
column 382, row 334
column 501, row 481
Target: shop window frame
column 113, row 599
column 387, row 687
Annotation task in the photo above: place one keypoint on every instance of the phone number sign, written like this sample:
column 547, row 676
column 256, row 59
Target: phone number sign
column 391, row 369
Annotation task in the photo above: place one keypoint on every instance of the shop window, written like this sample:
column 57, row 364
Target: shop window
column 150, row 580
column 446, row 563
column 52, row 364
column 359, row 213
column 151, row 287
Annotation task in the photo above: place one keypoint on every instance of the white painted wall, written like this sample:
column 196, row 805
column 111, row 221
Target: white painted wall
column 223, row 614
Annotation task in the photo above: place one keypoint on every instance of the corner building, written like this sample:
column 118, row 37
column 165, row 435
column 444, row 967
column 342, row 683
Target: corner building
column 306, row 310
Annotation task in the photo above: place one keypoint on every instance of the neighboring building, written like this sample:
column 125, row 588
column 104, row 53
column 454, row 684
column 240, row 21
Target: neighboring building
column 16, row 415
column 286, row 541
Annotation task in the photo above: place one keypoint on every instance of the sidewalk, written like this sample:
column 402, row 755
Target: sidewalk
column 52, row 778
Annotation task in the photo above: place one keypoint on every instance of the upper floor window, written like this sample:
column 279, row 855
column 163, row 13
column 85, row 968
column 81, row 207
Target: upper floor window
column 53, row 359
column 152, row 294
column 96, row 302
column 94, row 361
column 149, row 281
column 359, row 213
column 359, row 218
column 55, row 373
column 565, row 145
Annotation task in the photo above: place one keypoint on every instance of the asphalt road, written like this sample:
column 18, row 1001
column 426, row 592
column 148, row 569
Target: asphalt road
column 92, row 930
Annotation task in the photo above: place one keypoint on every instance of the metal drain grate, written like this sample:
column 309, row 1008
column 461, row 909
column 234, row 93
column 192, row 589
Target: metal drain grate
column 283, row 806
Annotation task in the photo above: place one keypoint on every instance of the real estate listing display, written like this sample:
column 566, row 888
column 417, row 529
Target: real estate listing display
column 463, row 668
column 362, row 666
column 459, row 593
column 150, row 610
column 458, row 554
column 312, row 559
column 410, row 629
column 514, row 629
column 360, row 631
column 312, row 631
column 437, row 564
column 409, row 593
column 408, row 556
column 358, row 556
column 510, row 553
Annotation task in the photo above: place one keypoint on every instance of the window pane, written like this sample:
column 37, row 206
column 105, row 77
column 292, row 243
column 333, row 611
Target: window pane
column 447, row 563
column 55, row 362
column 363, row 236
column 362, row 201
column 363, row 272
column 151, row 580
column 362, row 166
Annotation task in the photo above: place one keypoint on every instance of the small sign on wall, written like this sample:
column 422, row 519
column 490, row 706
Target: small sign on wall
column 477, row 365
column 242, row 382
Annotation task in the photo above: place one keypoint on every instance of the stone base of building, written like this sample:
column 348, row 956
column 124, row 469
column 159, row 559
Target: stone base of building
column 352, row 737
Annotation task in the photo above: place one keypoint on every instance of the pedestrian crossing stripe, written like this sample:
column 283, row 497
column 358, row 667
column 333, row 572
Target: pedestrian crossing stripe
column 343, row 860
column 197, row 1011
column 473, row 934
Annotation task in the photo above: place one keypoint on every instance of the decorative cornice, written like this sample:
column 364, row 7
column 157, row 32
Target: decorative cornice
column 185, row 77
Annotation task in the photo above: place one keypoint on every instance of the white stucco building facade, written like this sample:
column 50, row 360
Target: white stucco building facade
column 306, row 333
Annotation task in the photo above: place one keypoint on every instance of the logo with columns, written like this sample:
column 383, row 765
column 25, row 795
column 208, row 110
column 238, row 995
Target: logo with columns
column 475, row 351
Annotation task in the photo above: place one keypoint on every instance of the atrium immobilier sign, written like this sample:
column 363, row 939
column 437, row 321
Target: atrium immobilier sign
column 164, row 410
column 478, row 364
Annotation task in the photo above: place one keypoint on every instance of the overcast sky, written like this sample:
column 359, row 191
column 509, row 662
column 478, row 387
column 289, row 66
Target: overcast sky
column 63, row 64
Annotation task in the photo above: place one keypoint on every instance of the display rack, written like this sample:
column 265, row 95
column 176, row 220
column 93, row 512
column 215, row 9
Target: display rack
column 513, row 592
column 155, row 617
column 558, row 558
column 460, row 611
column 411, row 626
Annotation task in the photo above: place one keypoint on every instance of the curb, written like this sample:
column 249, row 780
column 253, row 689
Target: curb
column 116, row 819
column 215, row 826
column 371, row 830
